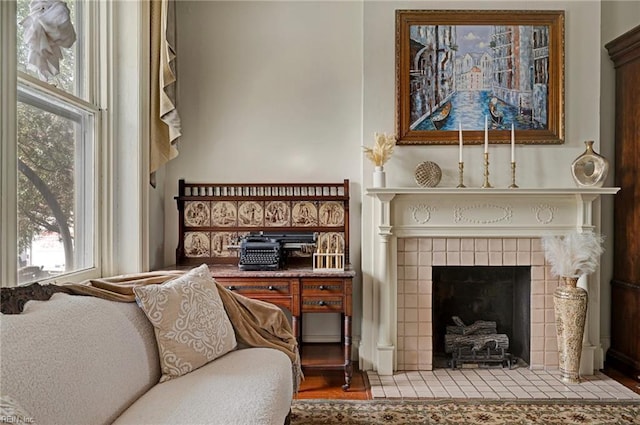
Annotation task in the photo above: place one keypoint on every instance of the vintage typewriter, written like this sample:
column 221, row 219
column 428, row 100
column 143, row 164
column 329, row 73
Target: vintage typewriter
column 269, row 251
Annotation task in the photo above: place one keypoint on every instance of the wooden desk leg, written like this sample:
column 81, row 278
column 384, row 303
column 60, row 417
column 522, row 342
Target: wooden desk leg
column 348, row 368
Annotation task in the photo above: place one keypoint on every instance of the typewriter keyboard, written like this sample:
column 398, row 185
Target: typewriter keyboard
column 258, row 257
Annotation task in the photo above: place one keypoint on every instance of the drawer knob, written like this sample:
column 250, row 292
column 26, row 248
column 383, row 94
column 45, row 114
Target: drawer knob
column 231, row 288
column 322, row 287
column 272, row 288
column 321, row 302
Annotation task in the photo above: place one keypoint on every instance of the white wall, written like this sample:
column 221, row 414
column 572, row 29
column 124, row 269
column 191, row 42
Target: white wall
column 539, row 166
column 269, row 92
column 618, row 17
column 289, row 91
column 159, row 202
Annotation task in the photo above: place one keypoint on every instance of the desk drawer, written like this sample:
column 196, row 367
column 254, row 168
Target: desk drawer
column 322, row 287
column 283, row 302
column 320, row 304
column 258, row 287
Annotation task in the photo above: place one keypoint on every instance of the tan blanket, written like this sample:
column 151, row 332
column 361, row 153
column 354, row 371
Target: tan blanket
column 256, row 323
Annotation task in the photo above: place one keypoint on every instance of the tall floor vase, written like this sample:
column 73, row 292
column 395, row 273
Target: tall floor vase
column 570, row 304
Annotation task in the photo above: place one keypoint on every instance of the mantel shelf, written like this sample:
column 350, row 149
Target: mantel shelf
column 491, row 191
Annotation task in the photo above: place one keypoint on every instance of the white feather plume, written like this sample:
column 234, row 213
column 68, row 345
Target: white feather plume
column 574, row 254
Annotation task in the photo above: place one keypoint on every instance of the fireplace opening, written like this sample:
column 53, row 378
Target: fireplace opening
column 498, row 294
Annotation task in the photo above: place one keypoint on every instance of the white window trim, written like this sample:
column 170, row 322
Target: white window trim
column 122, row 126
column 8, row 153
column 129, row 129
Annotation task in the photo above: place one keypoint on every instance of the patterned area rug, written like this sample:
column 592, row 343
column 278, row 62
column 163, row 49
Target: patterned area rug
column 391, row 412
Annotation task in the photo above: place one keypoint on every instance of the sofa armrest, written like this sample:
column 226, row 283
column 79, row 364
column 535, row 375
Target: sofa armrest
column 13, row 299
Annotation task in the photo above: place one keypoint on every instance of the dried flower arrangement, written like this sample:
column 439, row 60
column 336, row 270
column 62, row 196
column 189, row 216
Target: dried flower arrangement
column 381, row 151
column 574, row 254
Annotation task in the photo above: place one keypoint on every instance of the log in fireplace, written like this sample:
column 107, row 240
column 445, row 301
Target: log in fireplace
column 478, row 344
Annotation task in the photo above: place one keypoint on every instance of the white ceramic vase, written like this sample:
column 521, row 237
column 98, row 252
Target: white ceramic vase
column 379, row 177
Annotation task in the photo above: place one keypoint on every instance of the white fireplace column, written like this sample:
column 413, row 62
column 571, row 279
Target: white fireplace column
column 386, row 290
column 592, row 356
column 464, row 213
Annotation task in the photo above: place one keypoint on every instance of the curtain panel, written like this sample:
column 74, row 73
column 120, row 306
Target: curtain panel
column 165, row 121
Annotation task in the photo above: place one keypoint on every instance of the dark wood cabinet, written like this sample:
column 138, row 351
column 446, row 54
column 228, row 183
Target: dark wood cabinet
column 624, row 352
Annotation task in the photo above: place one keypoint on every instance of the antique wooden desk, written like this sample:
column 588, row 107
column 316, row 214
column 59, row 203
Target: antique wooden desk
column 301, row 290
column 213, row 217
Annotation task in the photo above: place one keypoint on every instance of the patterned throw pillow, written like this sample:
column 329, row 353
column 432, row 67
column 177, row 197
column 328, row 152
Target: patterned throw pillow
column 191, row 326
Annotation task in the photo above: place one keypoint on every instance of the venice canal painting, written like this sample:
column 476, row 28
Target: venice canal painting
column 464, row 73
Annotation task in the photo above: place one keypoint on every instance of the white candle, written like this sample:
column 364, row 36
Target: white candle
column 460, row 140
column 486, row 136
column 513, row 145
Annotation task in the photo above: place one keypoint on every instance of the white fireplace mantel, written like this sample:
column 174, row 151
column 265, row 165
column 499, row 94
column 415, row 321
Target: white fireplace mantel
column 459, row 213
column 475, row 212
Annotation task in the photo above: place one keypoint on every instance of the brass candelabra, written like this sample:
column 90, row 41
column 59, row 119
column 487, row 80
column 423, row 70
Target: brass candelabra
column 461, row 174
column 513, row 184
column 486, row 183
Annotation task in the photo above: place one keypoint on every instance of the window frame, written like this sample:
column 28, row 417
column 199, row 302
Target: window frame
column 8, row 154
column 87, row 117
column 118, row 45
column 87, row 99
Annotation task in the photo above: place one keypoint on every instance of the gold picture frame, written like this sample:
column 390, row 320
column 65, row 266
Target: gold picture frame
column 459, row 68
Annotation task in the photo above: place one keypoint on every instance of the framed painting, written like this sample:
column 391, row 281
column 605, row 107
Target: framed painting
column 464, row 68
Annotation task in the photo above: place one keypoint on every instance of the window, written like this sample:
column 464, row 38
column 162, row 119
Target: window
column 57, row 160
column 74, row 149
column 55, row 186
column 71, row 70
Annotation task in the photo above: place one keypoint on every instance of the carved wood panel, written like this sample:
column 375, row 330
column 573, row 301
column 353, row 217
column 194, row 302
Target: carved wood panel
column 213, row 217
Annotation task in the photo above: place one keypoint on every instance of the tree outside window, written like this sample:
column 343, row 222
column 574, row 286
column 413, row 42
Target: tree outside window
column 56, row 165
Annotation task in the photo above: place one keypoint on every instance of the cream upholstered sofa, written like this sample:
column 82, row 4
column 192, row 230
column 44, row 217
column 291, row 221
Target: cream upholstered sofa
column 85, row 360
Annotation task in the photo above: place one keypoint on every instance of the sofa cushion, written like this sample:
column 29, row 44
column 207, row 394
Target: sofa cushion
column 191, row 326
column 250, row 386
column 77, row 360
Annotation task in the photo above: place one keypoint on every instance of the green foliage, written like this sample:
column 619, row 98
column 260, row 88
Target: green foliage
column 46, row 146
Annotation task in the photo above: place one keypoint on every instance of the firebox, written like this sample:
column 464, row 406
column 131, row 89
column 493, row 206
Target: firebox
column 485, row 294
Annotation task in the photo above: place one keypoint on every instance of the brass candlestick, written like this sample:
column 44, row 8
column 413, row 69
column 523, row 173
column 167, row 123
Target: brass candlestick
column 461, row 174
column 513, row 176
column 486, row 183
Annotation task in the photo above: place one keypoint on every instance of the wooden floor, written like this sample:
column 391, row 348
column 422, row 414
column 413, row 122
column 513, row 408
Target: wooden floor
column 627, row 381
column 320, row 384
column 327, row 385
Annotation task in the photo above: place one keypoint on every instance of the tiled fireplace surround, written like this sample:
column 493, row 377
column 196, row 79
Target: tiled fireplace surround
column 415, row 229
column 417, row 256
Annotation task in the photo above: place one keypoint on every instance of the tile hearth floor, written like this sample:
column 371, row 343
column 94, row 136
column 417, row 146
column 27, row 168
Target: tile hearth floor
column 519, row 383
